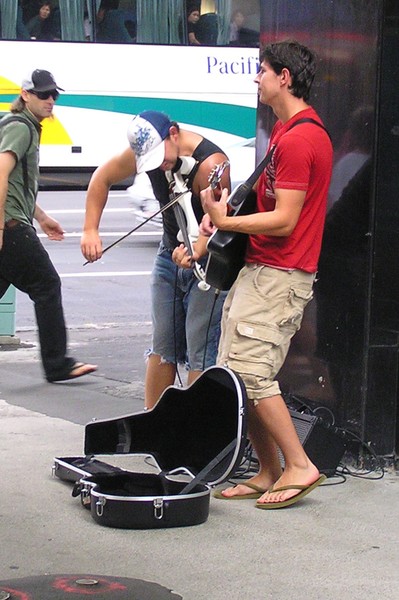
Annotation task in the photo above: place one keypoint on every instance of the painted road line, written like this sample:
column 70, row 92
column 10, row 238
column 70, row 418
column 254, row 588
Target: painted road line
column 116, row 234
column 81, row 211
column 106, row 274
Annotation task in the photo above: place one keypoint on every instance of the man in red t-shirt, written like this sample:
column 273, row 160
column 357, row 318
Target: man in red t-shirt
column 265, row 306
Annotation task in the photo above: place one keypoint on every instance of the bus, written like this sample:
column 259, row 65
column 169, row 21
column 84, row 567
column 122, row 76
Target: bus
column 208, row 87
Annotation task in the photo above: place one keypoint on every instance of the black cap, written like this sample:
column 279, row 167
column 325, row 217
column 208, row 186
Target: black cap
column 40, row 81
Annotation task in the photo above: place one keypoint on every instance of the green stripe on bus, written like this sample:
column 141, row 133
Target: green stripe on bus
column 237, row 120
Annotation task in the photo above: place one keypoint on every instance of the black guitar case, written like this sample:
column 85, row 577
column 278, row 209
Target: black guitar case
column 197, row 438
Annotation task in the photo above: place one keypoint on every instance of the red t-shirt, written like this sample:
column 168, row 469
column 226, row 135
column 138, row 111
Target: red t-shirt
column 302, row 161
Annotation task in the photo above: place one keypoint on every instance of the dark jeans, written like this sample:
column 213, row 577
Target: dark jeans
column 25, row 263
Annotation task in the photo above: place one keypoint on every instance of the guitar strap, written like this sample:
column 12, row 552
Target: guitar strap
column 263, row 164
column 202, row 476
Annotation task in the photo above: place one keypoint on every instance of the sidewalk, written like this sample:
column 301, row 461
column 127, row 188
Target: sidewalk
column 340, row 542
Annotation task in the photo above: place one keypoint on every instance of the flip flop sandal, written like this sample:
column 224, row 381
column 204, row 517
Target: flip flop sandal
column 304, row 490
column 258, row 492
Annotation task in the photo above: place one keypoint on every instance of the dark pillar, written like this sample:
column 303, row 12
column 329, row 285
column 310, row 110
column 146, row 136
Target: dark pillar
column 345, row 357
column 380, row 409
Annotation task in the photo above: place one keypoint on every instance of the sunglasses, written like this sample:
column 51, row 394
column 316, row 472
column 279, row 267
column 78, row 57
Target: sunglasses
column 45, row 95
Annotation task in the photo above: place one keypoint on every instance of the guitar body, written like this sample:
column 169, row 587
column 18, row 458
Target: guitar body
column 227, row 250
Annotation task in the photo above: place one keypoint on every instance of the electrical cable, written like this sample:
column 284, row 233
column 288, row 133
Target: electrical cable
column 300, row 405
column 217, row 292
column 174, row 327
column 379, row 469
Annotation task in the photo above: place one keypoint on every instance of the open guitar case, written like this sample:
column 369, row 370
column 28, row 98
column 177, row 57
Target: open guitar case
column 195, row 435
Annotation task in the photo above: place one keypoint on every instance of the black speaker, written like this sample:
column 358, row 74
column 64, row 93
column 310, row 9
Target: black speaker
column 323, row 444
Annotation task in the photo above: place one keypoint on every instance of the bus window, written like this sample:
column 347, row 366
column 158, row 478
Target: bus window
column 244, row 25
column 208, row 89
column 237, row 25
column 162, row 22
column 116, row 22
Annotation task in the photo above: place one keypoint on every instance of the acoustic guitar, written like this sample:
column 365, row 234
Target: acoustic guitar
column 226, row 249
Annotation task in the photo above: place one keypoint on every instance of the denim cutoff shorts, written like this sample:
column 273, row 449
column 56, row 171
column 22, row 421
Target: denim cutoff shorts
column 185, row 319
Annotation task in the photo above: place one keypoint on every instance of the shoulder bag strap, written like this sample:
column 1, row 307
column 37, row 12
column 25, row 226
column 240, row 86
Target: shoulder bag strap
column 24, row 160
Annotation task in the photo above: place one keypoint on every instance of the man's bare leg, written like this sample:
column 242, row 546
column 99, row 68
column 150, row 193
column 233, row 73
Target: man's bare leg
column 266, row 451
column 159, row 375
column 192, row 376
column 275, row 419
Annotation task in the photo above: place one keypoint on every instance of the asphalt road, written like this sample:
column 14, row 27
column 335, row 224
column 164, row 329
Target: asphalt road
column 106, row 305
column 114, row 289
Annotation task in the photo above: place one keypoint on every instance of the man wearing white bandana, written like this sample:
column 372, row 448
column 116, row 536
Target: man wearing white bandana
column 186, row 319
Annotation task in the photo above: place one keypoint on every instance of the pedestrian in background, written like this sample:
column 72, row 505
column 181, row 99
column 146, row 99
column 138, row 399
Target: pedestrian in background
column 24, row 262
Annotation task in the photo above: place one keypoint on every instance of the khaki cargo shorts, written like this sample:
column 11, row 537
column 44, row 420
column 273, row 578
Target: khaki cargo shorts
column 261, row 313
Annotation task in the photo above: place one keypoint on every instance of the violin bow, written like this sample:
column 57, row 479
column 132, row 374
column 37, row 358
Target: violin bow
column 155, row 214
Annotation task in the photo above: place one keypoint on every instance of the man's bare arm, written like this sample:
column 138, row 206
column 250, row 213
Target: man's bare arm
column 116, row 169
column 279, row 222
column 201, row 180
column 49, row 226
